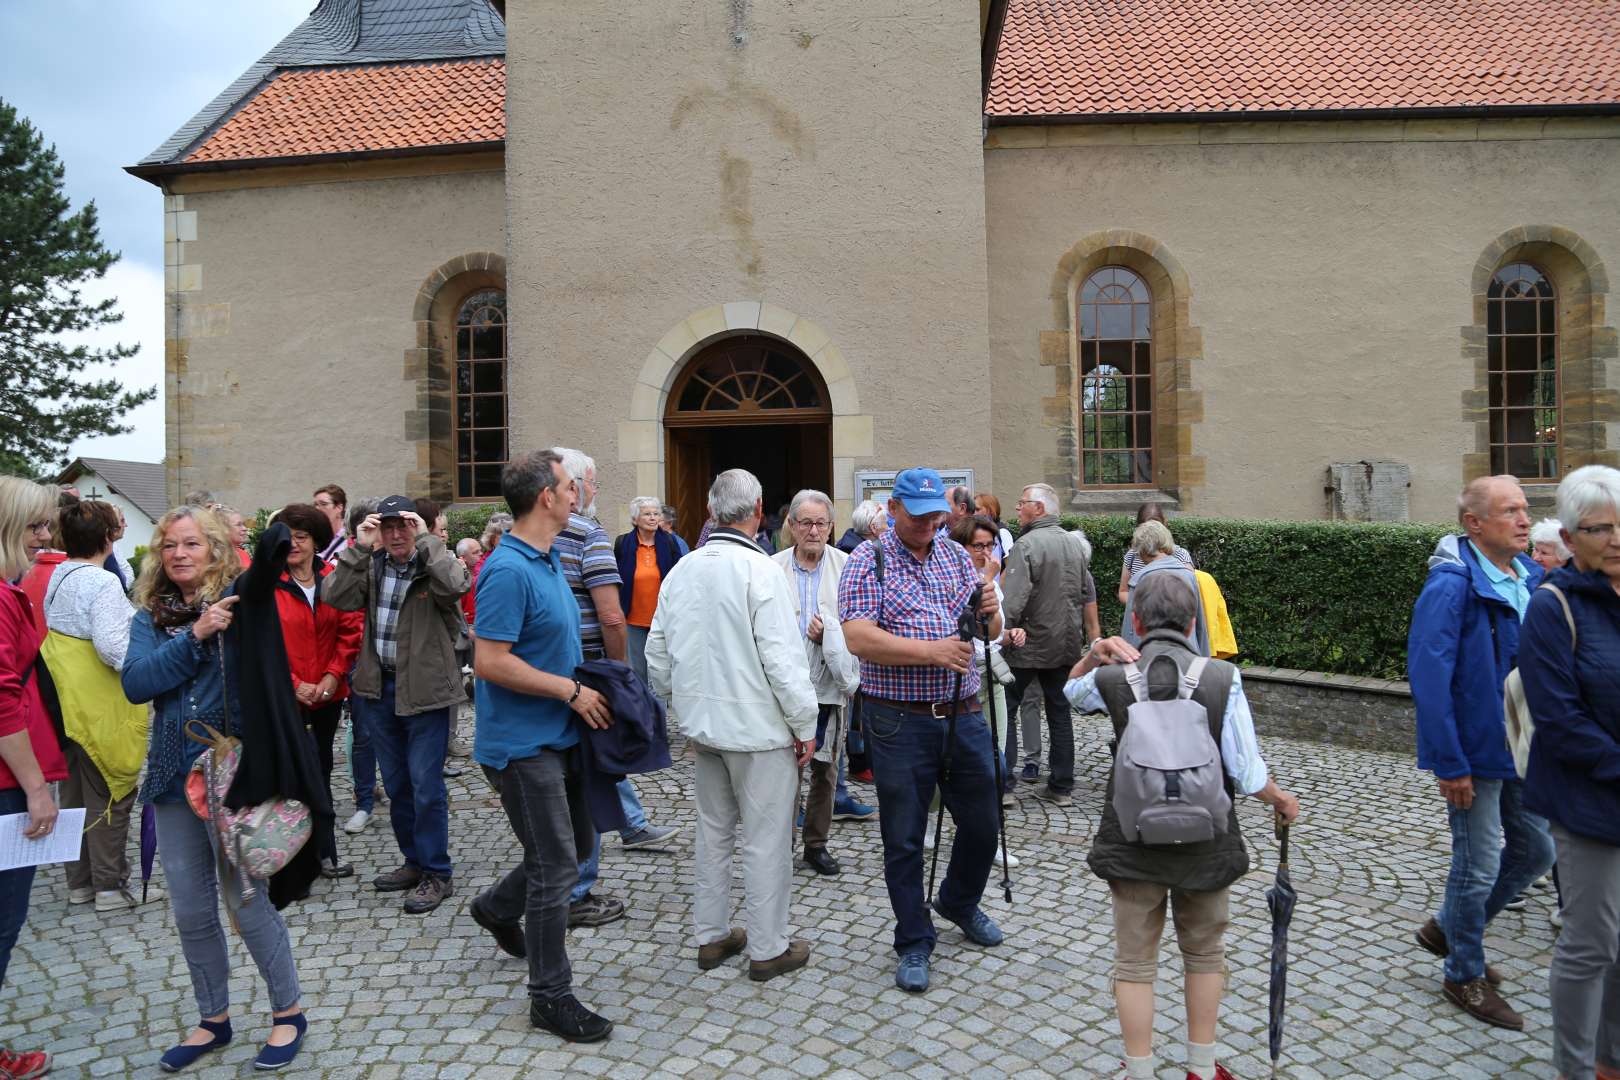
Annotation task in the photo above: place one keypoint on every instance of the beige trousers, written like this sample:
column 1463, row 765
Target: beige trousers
column 746, row 796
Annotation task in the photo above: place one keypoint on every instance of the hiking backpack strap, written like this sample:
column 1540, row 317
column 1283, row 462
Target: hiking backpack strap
column 1189, row 678
column 1137, row 681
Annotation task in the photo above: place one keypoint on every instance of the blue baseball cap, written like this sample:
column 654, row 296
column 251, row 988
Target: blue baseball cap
column 921, row 491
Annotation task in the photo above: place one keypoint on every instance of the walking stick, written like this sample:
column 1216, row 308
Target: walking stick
column 964, row 629
column 996, row 752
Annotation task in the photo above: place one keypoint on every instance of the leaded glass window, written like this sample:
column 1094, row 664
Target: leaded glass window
column 1115, row 334
column 1522, row 343
column 480, row 398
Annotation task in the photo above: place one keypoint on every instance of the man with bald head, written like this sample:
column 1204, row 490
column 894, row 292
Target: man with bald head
column 1463, row 643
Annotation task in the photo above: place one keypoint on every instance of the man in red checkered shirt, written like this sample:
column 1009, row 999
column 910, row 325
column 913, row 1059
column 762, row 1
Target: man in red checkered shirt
column 901, row 620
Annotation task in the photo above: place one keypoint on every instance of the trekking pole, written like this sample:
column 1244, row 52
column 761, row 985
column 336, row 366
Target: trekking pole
column 964, row 630
column 996, row 752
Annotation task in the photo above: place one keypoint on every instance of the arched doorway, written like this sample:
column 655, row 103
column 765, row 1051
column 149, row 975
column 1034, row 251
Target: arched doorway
column 753, row 402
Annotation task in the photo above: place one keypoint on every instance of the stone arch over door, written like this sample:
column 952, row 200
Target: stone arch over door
column 1588, row 368
column 430, row 366
column 1177, row 346
column 641, row 437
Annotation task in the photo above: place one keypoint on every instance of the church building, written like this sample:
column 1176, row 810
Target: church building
column 1254, row 258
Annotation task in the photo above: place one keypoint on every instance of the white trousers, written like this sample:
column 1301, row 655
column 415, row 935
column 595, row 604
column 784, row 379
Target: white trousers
column 751, row 794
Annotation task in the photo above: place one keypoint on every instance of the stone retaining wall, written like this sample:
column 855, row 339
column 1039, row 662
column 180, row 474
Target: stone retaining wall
column 1345, row 710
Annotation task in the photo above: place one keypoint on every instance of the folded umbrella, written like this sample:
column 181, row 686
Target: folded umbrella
column 1280, row 898
column 148, row 846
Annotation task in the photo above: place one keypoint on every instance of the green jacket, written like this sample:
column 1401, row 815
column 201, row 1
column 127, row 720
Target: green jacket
column 428, row 674
column 1044, row 587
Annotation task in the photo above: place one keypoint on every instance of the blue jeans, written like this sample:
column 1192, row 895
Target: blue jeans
column 187, row 851
column 634, row 816
column 410, row 753
column 362, row 759
column 636, row 647
column 15, row 885
column 907, row 751
column 1485, row 874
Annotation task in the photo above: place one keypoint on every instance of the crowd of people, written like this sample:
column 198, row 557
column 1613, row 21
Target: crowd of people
column 903, row 654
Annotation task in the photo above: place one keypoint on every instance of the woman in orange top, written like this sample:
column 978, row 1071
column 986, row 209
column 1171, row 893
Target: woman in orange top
column 646, row 555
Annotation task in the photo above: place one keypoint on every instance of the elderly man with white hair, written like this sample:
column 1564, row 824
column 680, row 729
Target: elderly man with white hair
column 1045, row 582
column 725, row 653
column 1547, row 544
column 812, row 567
column 866, row 523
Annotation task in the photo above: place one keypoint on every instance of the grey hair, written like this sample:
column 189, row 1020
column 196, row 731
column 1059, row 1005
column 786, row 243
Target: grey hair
column 671, row 514
column 200, row 497
column 865, row 516
column 1084, row 541
column 808, row 495
column 1164, row 602
column 1046, row 493
column 1545, row 531
column 963, row 497
column 1152, row 539
column 499, row 524
column 579, row 465
column 733, row 496
column 462, row 548
column 641, row 502
column 1588, row 490
column 1476, row 495
column 359, row 510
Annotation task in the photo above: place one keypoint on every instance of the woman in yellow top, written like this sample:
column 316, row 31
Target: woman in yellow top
column 645, row 554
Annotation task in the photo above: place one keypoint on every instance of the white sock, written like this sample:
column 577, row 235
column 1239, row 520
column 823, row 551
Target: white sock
column 1201, row 1060
column 1139, row 1068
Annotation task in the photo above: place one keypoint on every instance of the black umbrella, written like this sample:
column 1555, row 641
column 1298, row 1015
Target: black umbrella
column 148, row 846
column 1280, row 898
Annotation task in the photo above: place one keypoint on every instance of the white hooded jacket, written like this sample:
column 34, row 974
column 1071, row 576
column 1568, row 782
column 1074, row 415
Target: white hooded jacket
column 725, row 652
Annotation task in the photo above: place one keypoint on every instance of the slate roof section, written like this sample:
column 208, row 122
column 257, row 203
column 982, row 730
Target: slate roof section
column 1099, row 59
column 350, row 32
column 141, row 482
column 340, row 110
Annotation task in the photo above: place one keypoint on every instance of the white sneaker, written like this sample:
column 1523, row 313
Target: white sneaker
column 114, row 900
column 1012, row 860
column 928, row 837
column 81, row 896
column 1556, row 917
column 359, row 821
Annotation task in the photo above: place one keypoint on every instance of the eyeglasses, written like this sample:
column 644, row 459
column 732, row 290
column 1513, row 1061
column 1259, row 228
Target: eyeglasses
column 987, row 545
column 1601, row 532
column 40, row 526
column 1027, row 502
column 815, row 526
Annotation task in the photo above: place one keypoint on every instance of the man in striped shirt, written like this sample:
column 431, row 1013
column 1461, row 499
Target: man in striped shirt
column 586, row 553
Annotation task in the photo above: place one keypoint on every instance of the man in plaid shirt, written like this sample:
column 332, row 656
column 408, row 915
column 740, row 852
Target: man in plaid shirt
column 914, row 670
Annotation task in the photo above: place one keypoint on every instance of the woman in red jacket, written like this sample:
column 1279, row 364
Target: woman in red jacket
column 29, row 755
column 322, row 643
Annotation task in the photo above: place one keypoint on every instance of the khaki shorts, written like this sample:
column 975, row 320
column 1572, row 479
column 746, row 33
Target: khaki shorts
column 1200, row 917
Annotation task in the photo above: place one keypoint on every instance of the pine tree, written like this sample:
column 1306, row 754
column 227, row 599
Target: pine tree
column 47, row 255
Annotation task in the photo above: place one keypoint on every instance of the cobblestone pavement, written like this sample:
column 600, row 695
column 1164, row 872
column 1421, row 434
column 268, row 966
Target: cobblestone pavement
column 394, row 995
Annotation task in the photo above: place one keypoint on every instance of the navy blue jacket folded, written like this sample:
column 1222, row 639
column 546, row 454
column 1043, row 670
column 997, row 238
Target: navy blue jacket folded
column 636, row 742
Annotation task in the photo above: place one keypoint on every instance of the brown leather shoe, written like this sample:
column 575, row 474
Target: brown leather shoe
column 715, row 953
column 1479, row 1000
column 397, row 880
column 1432, row 938
column 793, row 958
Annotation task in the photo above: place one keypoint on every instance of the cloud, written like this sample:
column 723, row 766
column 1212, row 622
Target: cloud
column 138, row 288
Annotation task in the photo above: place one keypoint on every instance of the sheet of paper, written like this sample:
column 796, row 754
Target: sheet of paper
column 61, row 844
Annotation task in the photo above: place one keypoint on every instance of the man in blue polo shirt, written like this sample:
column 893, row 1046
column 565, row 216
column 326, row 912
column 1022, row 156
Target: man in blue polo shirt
column 527, row 740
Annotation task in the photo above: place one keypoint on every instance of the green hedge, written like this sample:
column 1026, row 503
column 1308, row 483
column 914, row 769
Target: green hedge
column 470, row 520
column 1315, row 595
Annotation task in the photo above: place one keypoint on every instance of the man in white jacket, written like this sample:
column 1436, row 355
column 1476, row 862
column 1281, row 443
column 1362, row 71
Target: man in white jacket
column 811, row 567
column 724, row 652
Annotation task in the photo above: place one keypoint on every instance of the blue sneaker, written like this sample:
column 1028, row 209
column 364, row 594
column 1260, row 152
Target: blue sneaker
column 852, row 809
column 977, row 927
column 912, row 974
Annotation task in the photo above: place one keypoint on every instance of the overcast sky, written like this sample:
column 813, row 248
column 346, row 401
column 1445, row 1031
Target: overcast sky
column 107, row 81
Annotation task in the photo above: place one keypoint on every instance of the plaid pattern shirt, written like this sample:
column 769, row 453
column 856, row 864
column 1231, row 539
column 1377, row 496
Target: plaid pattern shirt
column 918, row 599
column 391, row 587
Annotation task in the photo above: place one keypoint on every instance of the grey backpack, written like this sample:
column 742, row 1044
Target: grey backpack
column 1169, row 784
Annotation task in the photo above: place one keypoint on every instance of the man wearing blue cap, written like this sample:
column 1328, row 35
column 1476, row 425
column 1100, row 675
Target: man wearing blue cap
column 900, row 599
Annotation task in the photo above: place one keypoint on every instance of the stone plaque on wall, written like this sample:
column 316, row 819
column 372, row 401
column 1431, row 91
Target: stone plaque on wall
column 1368, row 491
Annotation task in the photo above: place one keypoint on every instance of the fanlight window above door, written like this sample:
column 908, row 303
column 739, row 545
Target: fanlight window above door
column 748, row 378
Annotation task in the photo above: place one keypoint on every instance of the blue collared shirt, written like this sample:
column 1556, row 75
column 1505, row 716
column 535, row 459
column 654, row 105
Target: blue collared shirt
column 1240, row 750
column 807, row 583
column 1509, row 586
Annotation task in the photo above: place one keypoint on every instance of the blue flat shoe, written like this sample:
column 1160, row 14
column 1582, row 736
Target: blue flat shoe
column 912, row 974
column 977, row 927
column 178, row 1057
column 279, row 1057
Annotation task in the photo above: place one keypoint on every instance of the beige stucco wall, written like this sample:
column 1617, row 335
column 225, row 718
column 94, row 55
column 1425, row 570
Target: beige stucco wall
column 296, row 309
column 1330, row 270
column 824, row 161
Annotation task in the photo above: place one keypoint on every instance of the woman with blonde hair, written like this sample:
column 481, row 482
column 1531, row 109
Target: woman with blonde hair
column 30, row 758
column 184, row 659
column 1155, row 550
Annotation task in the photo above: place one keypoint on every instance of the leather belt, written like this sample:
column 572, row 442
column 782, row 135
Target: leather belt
column 939, row 710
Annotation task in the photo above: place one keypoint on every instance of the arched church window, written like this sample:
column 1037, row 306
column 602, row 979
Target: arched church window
column 1522, row 341
column 1114, row 312
column 480, row 397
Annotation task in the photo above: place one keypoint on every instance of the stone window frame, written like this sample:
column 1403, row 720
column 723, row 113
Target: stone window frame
column 430, row 365
column 1178, row 346
column 1588, row 374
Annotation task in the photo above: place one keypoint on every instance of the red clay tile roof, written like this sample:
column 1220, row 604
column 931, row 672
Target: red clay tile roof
column 1105, row 57
column 338, row 110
